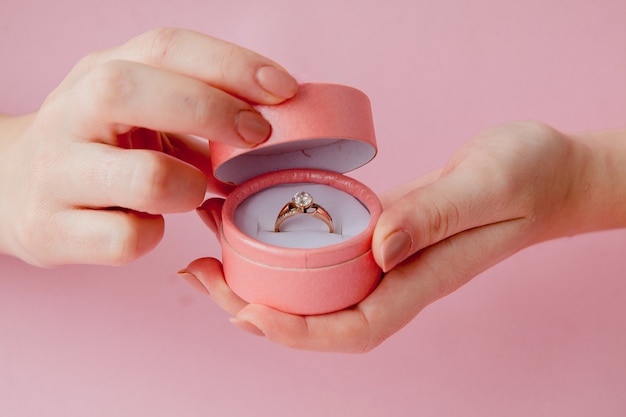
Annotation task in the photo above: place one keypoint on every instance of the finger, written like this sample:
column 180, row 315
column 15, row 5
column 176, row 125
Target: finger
column 119, row 95
column 102, row 237
column 195, row 151
column 209, row 273
column 336, row 332
column 390, row 197
column 190, row 149
column 459, row 201
column 224, row 65
column 211, row 214
column 99, row 175
column 401, row 295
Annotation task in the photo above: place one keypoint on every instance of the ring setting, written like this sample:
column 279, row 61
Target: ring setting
column 303, row 203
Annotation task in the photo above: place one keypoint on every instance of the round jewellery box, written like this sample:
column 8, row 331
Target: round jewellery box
column 296, row 232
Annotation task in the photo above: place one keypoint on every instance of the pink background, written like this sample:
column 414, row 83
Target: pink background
column 543, row 333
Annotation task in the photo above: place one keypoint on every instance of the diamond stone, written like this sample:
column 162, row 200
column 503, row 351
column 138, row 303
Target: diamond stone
column 302, row 199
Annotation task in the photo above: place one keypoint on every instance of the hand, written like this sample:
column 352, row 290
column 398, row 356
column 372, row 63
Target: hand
column 512, row 186
column 86, row 178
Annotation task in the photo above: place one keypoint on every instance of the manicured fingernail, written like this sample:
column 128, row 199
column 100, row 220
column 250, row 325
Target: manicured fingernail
column 193, row 281
column 395, row 249
column 247, row 326
column 252, row 127
column 276, row 81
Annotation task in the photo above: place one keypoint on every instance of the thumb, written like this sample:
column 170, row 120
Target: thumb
column 427, row 214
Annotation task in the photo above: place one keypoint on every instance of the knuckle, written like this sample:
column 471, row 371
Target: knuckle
column 203, row 110
column 443, row 220
column 113, row 82
column 223, row 60
column 157, row 44
column 362, row 337
column 149, row 181
column 88, row 62
column 132, row 236
column 125, row 244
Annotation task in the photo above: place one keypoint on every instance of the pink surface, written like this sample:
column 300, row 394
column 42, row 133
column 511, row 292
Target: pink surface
column 543, row 333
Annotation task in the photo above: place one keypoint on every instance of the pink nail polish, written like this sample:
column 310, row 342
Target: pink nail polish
column 395, row 249
column 252, row 127
column 193, row 281
column 277, row 82
column 247, row 326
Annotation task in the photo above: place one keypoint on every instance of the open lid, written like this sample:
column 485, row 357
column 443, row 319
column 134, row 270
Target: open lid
column 324, row 126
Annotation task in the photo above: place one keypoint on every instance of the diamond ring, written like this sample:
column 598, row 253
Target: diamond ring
column 302, row 203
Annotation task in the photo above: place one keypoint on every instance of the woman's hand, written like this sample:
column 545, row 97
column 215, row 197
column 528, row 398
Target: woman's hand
column 514, row 185
column 86, row 178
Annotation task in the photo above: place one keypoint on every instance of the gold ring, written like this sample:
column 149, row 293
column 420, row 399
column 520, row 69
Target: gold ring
column 302, row 203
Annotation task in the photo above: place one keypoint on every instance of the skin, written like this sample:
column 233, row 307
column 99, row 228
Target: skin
column 87, row 177
column 512, row 186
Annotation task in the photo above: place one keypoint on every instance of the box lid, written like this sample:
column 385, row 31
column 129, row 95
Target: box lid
column 324, row 126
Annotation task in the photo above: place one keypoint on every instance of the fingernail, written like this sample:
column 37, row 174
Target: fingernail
column 276, row 81
column 395, row 249
column 252, row 127
column 193, row 281
column 247, row 326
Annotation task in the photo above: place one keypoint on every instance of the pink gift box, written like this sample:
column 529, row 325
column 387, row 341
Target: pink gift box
column 321, row 133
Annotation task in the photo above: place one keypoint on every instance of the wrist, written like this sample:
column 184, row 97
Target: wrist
column 11, row 129
column 599, row 182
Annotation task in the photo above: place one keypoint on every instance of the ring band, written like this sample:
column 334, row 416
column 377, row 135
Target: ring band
column 302, row 203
